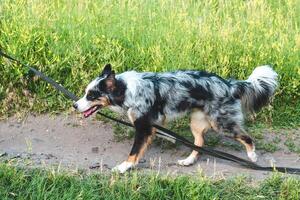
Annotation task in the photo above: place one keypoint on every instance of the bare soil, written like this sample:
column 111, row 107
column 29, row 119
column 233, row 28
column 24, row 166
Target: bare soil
column 72, row 142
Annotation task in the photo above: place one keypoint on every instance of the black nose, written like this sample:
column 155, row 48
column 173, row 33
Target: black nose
column 75, row 105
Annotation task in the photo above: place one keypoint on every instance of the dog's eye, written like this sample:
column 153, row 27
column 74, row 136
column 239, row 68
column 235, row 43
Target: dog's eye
column 91, row 95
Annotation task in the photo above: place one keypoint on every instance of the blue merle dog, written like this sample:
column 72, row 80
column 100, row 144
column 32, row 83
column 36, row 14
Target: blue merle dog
column 148, row 98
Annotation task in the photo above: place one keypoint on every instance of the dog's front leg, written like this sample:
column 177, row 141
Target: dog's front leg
column 143, row 138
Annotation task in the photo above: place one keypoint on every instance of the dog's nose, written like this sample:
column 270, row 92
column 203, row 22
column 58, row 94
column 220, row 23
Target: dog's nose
column 75, row 105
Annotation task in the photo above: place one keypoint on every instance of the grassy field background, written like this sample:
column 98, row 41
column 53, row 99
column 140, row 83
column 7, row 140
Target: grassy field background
column 38, row 184
column 70, row 40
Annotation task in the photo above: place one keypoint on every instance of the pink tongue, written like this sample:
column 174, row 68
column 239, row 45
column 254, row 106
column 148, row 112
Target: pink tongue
column 88, row 112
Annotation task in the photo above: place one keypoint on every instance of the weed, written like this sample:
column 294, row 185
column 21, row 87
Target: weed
column 71, row 40
column 18, row 183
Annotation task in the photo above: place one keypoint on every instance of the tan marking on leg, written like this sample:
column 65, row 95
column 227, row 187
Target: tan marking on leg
column 241, row 133
column 250, row 148
column 136, row 157
column 146, row 144
column 132, row 158
column 131, row 116
column 199, row 125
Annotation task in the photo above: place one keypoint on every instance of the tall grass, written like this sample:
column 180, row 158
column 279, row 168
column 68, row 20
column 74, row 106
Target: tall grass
column 70, row 40
column 37, row 184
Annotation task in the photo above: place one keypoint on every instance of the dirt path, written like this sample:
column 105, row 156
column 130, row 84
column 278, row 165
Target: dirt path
column 72, row 142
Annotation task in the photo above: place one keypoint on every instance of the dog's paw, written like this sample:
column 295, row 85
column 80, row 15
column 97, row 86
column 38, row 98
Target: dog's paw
column 123, row 167
column 188, row 161
column 252, row 156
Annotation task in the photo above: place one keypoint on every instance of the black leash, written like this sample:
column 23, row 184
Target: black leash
column 161, row 131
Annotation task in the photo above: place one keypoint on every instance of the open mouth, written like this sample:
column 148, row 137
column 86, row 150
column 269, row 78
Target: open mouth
column 90, row 111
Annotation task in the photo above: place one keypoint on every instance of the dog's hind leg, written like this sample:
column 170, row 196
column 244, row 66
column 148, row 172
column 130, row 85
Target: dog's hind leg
column 241, row 136
column 199, row 125
column 143, row 137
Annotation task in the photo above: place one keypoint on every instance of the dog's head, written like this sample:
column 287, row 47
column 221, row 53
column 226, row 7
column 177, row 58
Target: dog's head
column 97, row 93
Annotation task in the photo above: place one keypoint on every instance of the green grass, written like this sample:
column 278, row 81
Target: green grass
column 17, row 183
column 70, row 40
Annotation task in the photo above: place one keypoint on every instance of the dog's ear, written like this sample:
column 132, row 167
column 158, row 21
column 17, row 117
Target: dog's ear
column 110, row 81
column 107, row 70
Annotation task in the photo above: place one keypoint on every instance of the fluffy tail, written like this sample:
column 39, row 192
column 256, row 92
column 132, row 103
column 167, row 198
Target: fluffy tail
column 256, row 91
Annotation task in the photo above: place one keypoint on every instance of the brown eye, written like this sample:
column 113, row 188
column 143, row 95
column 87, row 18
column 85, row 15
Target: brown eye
column 92, row 95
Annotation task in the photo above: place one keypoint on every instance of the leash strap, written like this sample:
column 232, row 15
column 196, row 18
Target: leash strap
column 49, row 80
column 161, row 131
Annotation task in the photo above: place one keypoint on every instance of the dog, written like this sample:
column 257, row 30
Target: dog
column 148, row 98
